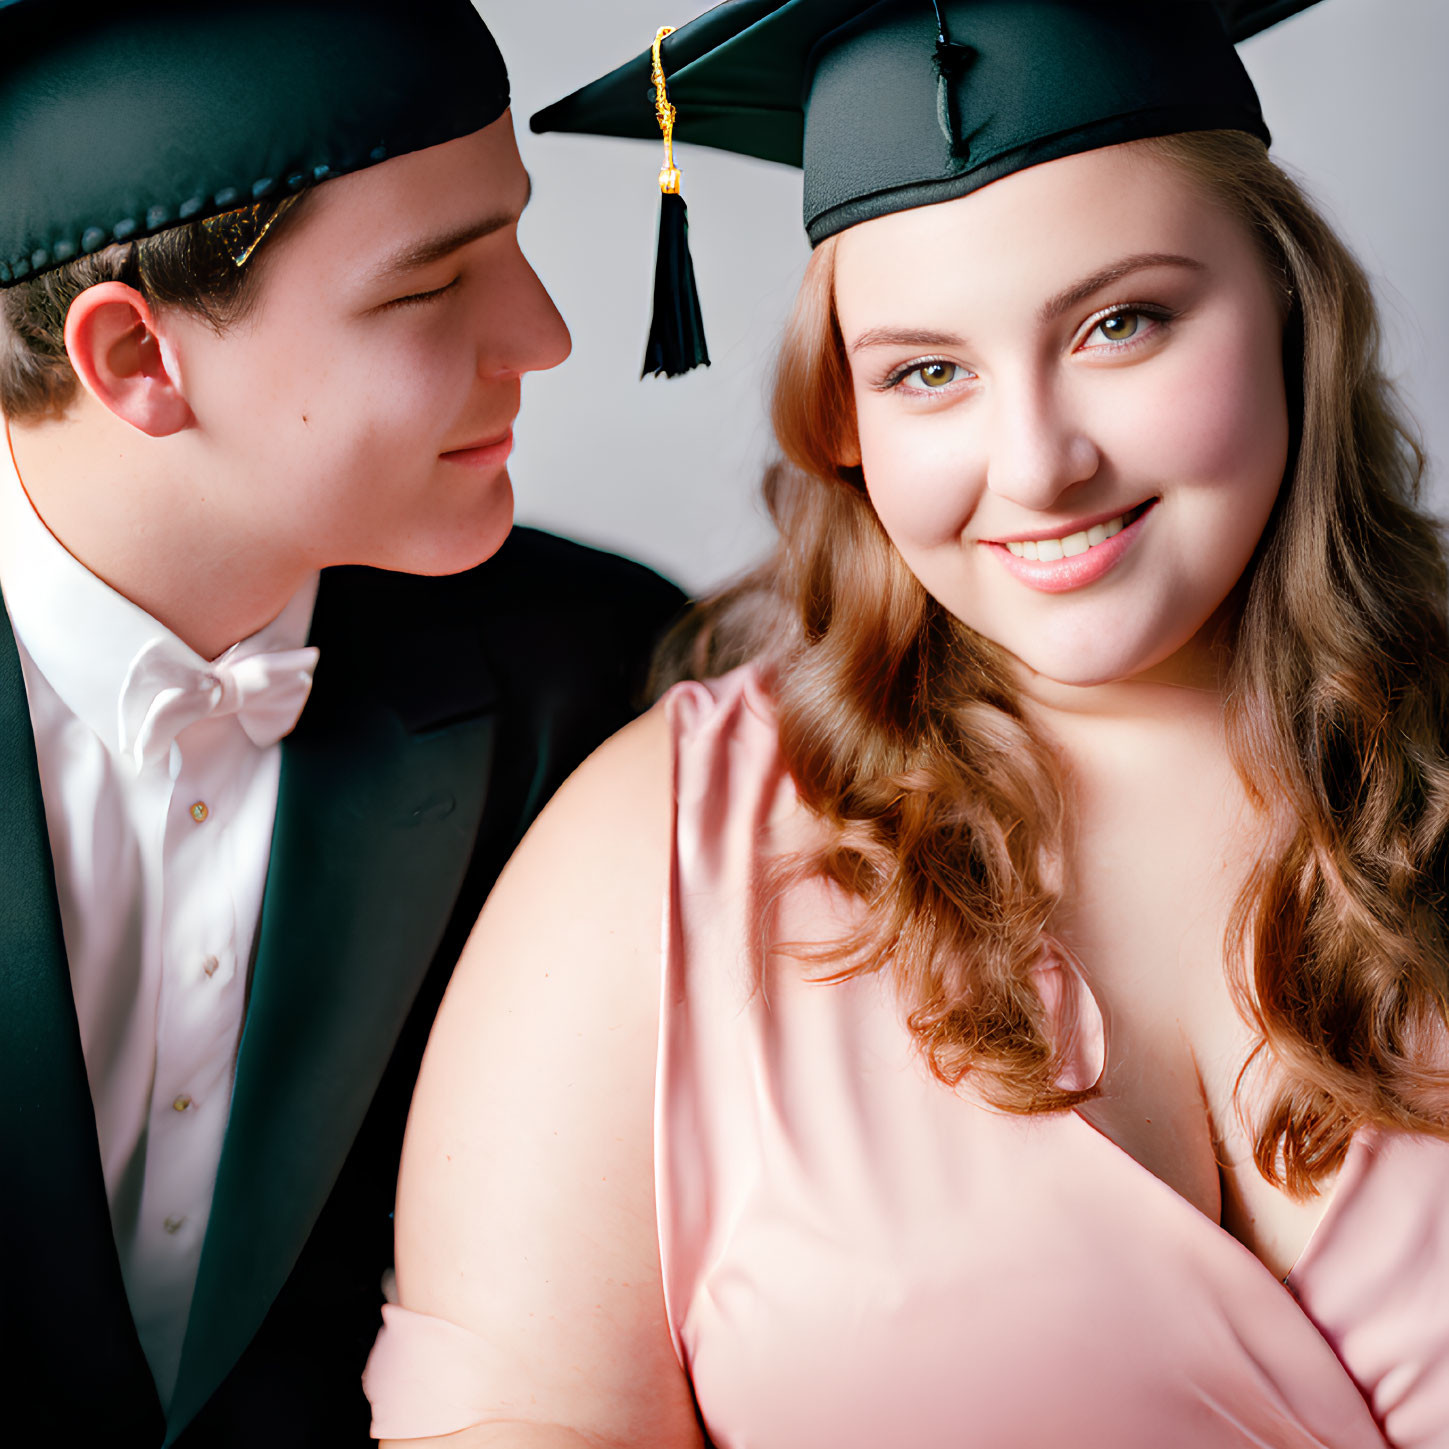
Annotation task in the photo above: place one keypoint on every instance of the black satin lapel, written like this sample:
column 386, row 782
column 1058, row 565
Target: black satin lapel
column 75, row 1346
column 376, row 822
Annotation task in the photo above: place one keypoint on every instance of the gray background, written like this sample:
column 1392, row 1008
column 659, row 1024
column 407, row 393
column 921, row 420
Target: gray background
column 1355, row 92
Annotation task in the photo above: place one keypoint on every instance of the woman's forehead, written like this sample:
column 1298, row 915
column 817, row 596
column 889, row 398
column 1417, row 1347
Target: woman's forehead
column 1038, row 230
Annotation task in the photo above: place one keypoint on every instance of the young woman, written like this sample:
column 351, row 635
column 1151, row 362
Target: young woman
column 1045, row 1040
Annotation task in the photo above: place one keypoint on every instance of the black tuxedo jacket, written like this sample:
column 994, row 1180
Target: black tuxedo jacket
column 443, row 715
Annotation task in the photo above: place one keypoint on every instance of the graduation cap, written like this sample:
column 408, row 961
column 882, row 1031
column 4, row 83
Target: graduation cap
column 890, row 104
column 118, row 120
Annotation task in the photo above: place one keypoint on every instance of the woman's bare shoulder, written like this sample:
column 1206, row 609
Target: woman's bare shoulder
column 594, row 865
column 569, row 936
column 526, row 1205
column 627, row 780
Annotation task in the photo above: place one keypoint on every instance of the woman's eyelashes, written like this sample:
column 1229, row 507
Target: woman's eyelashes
column 934, row 374
column 1112, row 330
column 1119, row 328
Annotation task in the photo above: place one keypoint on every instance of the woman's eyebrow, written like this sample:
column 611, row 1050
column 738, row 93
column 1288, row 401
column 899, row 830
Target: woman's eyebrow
column 1078, row 292
column 434, row 249
column 903, row 337
column 1050, row 310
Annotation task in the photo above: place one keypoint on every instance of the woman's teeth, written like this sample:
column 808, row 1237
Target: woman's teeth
column 1048, row 550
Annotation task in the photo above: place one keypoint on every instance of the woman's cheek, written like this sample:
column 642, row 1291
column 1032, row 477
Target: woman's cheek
column 1220, row 418
column 917, row 482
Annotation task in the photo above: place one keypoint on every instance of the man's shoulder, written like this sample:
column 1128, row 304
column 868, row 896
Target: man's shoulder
column 543, row 569
column 544, row 597
column 545, row 614
column 534, row 574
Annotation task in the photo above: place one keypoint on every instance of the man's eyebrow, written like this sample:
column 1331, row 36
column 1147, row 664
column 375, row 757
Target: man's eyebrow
column 425, row 253
column 903, row 337
column 1078, row 292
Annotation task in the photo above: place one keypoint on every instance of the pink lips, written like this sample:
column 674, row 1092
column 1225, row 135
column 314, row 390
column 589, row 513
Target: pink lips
column 483, row 455
column 1061, row 576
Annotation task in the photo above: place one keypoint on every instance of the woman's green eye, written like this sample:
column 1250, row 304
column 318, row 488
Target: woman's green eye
column 1120, row 327
column 937, row 374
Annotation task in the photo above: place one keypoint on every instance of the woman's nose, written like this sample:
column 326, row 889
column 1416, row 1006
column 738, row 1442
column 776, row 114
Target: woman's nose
column 1038, row 449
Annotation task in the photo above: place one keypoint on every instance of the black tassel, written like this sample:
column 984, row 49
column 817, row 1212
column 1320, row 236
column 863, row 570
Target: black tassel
column 676, row 335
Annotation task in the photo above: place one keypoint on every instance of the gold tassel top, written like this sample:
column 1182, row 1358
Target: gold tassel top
column 669, row 176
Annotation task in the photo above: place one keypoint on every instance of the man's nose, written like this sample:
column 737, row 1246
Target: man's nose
column 520, row 328
column 1038, row 448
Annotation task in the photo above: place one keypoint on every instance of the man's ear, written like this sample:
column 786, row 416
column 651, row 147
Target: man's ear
column 110, row 338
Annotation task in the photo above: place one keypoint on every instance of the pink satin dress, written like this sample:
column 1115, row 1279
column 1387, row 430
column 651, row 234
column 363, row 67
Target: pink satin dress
column 855, row 1256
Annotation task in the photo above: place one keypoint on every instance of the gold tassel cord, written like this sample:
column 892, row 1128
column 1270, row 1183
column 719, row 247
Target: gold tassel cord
column 665, row 113
column 676, row 332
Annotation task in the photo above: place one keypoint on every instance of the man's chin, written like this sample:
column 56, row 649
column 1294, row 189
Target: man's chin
column 472, row 541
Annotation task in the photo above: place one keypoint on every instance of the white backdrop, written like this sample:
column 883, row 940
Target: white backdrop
column 667, row 471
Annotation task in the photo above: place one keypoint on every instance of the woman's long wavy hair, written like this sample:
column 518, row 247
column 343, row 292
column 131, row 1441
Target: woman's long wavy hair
column 903, row 729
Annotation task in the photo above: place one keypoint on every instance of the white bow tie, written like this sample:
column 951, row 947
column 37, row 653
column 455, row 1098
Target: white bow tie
column 166, row 690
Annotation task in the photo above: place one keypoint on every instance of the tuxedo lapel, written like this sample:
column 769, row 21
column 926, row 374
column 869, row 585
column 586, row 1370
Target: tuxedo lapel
column 63, row 1287
column 382, row 792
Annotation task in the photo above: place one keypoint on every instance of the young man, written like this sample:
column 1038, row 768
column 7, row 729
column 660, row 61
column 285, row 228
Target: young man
column 276, row 697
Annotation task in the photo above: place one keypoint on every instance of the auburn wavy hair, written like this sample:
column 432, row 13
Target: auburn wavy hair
column 903, row 729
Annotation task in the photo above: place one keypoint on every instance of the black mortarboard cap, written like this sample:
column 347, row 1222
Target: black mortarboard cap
column 889, row 104
column 118, row 120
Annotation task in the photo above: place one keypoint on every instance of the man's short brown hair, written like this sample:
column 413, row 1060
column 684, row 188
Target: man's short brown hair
column 188, row 267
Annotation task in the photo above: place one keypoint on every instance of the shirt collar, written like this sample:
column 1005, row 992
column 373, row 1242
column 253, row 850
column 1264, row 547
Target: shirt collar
column 78, row 631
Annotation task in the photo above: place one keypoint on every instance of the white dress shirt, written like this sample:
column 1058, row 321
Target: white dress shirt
column 160, row 869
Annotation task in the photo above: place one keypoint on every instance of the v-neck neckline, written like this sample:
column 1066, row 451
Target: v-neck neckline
column 1349, row 1177
column 1087, row 1055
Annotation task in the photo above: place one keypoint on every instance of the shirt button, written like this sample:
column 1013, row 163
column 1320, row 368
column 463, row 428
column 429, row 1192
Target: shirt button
column 181, row 1104
column 209, row 965
column 199, row 812
column 174, row 1225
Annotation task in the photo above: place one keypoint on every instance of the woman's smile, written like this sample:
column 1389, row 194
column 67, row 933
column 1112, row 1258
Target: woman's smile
column 1072, row 560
